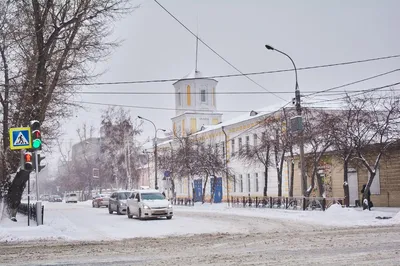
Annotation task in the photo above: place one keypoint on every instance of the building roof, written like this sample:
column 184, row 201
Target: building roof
column 242, row 118
column 194, row 75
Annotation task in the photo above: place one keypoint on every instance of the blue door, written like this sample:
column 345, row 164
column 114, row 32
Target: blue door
column 218, row 189
column 198, row 189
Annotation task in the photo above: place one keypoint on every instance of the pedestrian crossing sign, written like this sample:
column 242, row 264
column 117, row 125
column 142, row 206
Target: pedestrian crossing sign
column 20, row 138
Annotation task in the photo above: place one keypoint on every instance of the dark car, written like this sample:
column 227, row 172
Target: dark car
column 55, row 198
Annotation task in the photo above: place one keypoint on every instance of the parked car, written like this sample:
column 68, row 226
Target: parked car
column 100, row 200
column 45, row 197
column 55, row 198
column 71, row 197
column 148, row 203
column 117, row 202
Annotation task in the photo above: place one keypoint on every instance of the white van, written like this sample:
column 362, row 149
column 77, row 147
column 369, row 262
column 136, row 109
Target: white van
column 71, row 197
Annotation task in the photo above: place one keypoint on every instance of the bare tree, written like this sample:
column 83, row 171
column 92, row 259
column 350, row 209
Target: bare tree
column 210, row 162
column 118, row 148
column 46, row 49
column 343, row 143
column 318, row 135
column 374, row 130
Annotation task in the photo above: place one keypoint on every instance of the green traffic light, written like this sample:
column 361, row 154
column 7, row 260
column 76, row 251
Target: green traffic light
column 36, row 143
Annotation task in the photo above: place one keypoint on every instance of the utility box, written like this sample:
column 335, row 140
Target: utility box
column 296, row 124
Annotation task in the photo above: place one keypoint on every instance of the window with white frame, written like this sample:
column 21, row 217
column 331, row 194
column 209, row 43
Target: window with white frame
column 249, row 183
column 223, row 149
column 256, row 181
column 247, row 143
column 232, row 147
column 375, row 188
column 255, row 140
column 234, row 183
column 240, row 145
column 241, row 183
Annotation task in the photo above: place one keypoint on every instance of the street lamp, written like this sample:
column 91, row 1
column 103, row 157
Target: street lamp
column 298, row 109
column 155, row 148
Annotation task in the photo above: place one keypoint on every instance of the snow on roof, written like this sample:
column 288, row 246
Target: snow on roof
column 268, row 110
column 194, row 75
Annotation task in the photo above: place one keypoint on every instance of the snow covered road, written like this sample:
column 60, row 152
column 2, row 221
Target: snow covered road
column 81, row 222
column 361, row 246
column 77, row 234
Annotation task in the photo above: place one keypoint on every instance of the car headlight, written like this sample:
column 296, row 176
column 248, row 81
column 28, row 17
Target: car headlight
column 122, row 204
column 146, row 207
column 170, row 206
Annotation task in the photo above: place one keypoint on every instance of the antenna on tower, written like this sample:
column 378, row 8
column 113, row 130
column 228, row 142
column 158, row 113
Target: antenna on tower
column 197, row 44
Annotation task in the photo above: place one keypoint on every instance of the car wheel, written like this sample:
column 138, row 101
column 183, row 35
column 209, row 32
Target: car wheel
column 128, row 212
column 169, row 217
column 118, row 211
column 109, row 210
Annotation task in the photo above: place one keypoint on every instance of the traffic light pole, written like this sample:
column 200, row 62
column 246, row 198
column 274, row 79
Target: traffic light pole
column 38, row 203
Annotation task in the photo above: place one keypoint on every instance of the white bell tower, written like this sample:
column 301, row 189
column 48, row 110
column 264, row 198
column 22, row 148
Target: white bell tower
column 195, row 102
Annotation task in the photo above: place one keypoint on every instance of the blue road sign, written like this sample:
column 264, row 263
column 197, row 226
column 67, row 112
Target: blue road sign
column 20, row 138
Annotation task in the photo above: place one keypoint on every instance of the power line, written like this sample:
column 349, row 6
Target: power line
column 356, row 94
column 209, row 47
column 227, row 75
column 154, row 108
column 355, row 82
column 325, row 91
column 226, row 111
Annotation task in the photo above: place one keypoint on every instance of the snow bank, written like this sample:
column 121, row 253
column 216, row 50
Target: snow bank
column 334, row 216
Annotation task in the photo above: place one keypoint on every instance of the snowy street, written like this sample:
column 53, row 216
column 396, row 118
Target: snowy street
column 77, row 234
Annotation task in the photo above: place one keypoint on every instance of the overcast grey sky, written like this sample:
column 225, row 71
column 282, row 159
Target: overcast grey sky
column 315, row 32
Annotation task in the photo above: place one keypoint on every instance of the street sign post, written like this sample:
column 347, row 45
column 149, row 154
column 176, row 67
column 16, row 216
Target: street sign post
column 20, row 138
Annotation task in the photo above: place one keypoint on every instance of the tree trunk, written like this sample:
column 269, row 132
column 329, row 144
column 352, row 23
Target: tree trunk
column 15, row 191
column 346, row 183
column 172, row 187
column 204, row 189
column 213, row 188
column 266, row 181
column 320, row 185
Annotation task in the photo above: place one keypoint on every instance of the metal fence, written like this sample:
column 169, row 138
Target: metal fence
column 30, row 210
column 288, row 203
column 182, row 201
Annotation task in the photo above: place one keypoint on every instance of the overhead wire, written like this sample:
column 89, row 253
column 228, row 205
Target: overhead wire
column 356, row 94
column 215, row 52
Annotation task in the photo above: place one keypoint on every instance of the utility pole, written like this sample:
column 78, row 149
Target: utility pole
column 299, row 122
column 155, row 149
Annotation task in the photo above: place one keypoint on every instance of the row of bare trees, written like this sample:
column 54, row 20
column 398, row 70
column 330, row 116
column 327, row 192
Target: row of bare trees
column 116, row 155
column 358, row 134
column 189, row 157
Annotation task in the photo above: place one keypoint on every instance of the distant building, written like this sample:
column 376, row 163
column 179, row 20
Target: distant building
column 87, row 149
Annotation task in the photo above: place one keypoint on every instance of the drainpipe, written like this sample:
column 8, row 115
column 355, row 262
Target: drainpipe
column 226, row 165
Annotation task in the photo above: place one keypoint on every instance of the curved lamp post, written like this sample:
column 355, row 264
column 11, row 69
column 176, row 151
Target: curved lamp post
column 155, row 149
column 298, row 109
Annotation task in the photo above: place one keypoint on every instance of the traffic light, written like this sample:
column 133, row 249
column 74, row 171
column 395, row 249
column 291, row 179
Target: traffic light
column 40, row 158
column 28, row 158
column 36, row 135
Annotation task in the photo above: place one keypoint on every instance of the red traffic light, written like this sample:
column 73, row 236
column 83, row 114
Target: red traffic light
column 28, row 157
column 28, row 166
